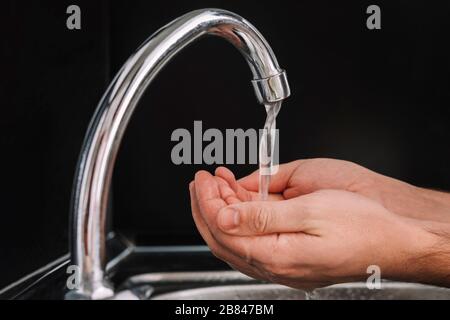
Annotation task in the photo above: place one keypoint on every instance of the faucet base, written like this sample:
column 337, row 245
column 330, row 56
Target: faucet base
column 101, row 292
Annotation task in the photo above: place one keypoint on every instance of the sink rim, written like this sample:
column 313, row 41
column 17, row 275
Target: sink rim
column 186, row 294
column 212, row 283
column 190, row 294
column 189, row 276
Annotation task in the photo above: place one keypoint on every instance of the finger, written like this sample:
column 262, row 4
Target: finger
column 279, row 181
column 262, row 217
column 242, row 193
column 227, row 194
column 218, row 250
column 210, row 203
column 208, row 195
column 257, row 276
column 228, row 176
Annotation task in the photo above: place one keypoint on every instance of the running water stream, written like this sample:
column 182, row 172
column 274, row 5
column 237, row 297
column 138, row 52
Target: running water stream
column 266, row 158
column 267, row 148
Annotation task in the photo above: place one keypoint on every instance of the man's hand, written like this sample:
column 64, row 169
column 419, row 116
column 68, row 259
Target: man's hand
column 306, row 176
column 303, row 237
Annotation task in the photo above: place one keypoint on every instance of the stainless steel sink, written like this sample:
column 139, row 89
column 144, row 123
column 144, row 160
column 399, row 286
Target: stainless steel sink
column 232, row 285
column 388, row 291
column 349, row 291
column 236, row 292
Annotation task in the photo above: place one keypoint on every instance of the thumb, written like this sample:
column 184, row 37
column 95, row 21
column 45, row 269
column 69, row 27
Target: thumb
column 263, row 217
column 279, row 181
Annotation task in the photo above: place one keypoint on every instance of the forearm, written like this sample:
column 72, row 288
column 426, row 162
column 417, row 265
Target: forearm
column 432, row 264
column 436, row 204
column 414, row 202
column 429, row 262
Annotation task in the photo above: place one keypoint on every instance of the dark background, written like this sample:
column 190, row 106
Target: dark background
column 376, row 97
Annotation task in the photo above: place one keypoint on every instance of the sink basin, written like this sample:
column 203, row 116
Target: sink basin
column 388, row 291
column 232, row 285
column 349, row 291
column 236, row 292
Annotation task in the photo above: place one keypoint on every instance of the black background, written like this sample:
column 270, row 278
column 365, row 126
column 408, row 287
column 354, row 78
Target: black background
column 376, row 97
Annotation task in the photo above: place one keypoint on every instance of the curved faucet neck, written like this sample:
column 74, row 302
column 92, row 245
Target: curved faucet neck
column 94, row 172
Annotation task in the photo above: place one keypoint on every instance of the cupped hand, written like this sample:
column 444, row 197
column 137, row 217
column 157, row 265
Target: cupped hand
column 316, row 238
column 302, row 177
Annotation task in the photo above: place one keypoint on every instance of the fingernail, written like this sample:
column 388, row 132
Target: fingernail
column 229, row 218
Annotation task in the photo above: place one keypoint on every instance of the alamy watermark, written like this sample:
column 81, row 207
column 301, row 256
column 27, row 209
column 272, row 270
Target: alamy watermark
column 374, row 20
column 74, row 279
column 233, row 146
column 374, row 280
column 73, row 21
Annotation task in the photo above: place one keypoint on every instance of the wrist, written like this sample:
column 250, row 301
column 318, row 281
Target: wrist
column 429, row 261
column 414, row 202
column 435, row 203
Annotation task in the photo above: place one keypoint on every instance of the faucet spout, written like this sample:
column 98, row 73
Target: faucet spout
column 103, row 138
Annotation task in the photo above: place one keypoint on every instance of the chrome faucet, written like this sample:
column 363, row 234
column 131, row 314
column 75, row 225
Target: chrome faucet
column 102, row 141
